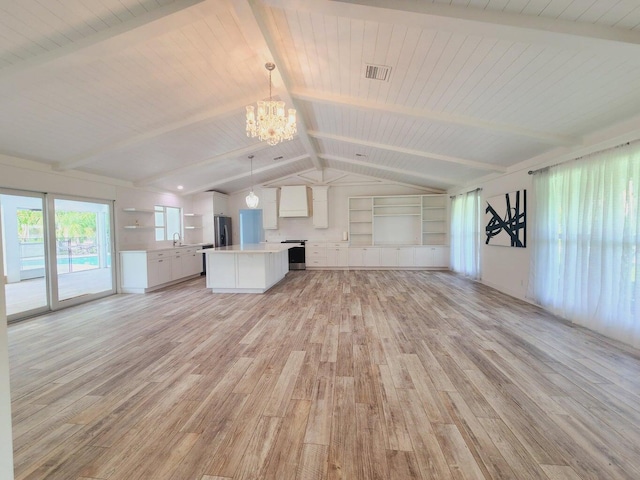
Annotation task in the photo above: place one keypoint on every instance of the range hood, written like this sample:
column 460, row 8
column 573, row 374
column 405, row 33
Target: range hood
column 293, row 201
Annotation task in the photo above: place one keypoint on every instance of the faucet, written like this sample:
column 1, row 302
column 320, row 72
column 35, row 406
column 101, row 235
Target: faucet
column 179, row 241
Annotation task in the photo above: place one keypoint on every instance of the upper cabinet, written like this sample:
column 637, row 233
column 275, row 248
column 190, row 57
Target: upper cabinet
column 221, row 204
column 320, row 206
column 269, row 202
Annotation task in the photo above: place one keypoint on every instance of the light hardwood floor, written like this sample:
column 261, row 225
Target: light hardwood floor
column 353, row 375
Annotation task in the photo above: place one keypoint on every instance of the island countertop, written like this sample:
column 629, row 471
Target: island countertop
column 250, row 248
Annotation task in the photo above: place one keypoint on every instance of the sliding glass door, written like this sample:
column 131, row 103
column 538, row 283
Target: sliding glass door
column 82, row 249
column 25, row 255
column 57, row 251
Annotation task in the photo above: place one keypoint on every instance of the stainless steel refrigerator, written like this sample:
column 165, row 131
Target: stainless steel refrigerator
column 222, row 231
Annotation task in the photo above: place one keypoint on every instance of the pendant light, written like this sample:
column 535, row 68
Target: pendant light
column 252, row 199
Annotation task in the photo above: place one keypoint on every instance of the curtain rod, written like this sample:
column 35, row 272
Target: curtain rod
column 533, row 172
column 479, row 189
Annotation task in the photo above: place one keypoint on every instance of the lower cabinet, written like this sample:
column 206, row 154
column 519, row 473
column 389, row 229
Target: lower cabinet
column 337, row 255
column 143, row 271
column 434, row 256
column 341, row 255
column 364, row 256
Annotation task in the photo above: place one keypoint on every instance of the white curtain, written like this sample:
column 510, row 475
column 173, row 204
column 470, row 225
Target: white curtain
column 465, row 234
column 586, row 256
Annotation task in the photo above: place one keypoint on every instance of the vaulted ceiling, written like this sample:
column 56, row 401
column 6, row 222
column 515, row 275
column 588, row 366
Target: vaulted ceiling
column 154, row 91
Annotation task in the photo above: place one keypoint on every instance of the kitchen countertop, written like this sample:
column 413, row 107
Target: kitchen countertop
column 160, row 249
column 251, row 248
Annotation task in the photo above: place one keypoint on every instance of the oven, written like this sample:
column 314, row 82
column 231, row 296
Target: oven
column 297, row 256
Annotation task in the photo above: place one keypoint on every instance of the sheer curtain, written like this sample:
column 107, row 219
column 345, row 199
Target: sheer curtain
column 465, row 234
column 586, row 258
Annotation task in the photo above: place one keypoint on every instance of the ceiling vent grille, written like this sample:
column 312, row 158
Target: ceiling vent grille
column 377, row 72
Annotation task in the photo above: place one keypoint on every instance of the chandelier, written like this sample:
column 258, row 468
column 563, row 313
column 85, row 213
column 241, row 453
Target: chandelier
column 270, row 123
column 252, row 199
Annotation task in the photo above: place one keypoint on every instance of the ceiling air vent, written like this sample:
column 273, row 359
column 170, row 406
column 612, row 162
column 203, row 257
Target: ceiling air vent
column 278, row 158
column 377, row 72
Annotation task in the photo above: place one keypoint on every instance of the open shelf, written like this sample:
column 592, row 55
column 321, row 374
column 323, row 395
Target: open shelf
column 398, row 220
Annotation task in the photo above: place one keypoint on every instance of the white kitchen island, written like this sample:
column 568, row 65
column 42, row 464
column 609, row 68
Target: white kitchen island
column 248, row 268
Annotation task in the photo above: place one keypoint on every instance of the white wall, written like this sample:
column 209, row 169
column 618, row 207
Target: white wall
column 6, row 445
column 146, row 200
column 506, row 268
column 302, row 228
column 24, row 175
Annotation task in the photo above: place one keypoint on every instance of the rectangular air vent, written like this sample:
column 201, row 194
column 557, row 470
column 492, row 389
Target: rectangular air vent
column 377, row 72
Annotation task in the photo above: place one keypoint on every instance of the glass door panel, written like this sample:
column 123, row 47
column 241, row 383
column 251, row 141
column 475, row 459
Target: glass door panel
column 83, row 249
column 25, row 255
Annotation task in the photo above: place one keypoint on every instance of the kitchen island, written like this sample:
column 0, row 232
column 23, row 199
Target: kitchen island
column 247, row 268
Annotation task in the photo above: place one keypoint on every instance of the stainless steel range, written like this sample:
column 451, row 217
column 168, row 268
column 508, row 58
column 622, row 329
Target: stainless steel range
column 297, row 257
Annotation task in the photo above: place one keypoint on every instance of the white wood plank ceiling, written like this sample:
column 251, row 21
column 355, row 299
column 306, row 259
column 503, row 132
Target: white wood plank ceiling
column 153, row 91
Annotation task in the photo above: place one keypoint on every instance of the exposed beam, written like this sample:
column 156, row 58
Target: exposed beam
column 399, row 171
column 240, row 152
column 153, row 23
column 218, row 112
column 252, row 21
column 209, row 186
column 597, row 39
column 423, row 114
column 408, row 151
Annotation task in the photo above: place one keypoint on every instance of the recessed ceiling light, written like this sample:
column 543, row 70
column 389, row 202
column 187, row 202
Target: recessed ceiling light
column 180, row 187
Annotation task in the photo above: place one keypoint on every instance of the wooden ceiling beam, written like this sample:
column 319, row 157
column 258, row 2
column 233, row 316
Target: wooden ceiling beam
column 408, row 151
column 398, row 171
column 441, row 117
column 517, row 27
column 208, row 115
column 240, row 152
column 119, row 37
column 222, row 181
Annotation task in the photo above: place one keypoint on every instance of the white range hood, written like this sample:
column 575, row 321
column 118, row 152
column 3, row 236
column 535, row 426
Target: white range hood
column 293, row 201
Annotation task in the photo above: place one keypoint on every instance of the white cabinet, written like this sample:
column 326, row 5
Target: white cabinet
column 245, row 272
column 397, row 257
column 364, row 257
column 176, row 265
column 320, row 206
column 316, row 254
column 191, row 262
column 221, row 204
column 143, row 271
column 269, row 208
column 327, row 254
column 337, row 255
column 432, row 256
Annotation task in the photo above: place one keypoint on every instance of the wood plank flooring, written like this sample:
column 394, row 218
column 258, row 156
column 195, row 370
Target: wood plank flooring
column 330, row 375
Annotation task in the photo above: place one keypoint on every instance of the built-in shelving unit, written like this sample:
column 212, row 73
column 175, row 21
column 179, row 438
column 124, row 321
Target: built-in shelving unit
column 398, row 220
column 360, row 220
column 434, row 220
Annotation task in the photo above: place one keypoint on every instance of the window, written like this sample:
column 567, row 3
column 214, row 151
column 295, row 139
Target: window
column 168, row 221
column 587, row 242
column 465, row 234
